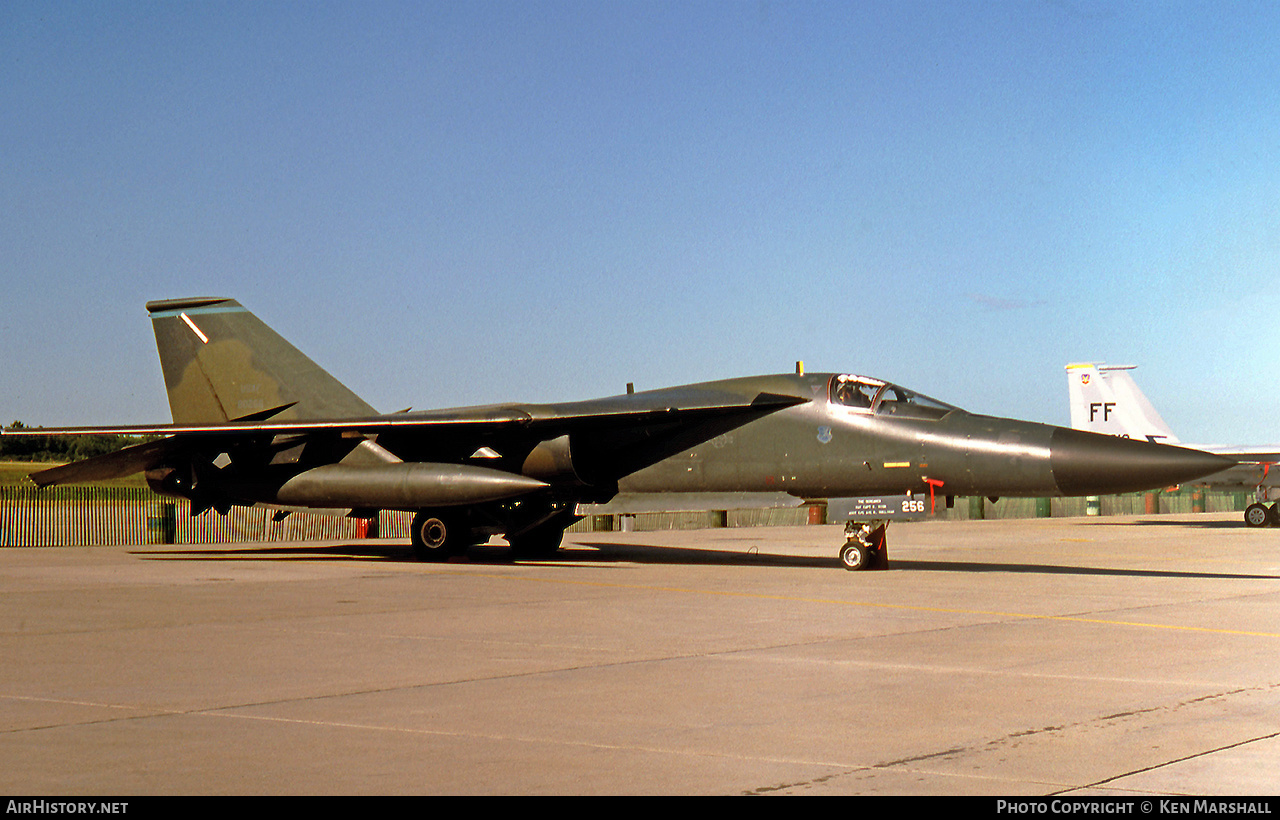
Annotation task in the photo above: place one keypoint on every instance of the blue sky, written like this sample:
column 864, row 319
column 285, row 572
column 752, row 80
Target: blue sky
column 468, row 202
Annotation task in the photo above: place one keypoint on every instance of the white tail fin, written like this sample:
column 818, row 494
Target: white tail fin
column 1105, row 399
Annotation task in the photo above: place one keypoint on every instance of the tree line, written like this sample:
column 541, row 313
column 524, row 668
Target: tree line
column 61, row 448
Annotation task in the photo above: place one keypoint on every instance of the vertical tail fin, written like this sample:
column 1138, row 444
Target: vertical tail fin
column 222, row 363
column 1105, row 399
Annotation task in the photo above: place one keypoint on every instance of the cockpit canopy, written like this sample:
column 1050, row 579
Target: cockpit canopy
column 868, row 395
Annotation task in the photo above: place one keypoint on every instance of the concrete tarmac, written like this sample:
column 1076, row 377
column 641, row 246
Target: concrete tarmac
column 1089, row 656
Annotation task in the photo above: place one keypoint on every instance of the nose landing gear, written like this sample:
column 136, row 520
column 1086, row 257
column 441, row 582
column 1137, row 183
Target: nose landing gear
column 865, row 547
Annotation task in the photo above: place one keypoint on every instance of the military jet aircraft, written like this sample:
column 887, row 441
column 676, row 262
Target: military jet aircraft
column 257, row 422
column 1105, row 399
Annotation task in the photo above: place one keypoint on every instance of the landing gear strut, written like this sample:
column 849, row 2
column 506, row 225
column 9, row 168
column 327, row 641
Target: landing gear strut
column 866, row 547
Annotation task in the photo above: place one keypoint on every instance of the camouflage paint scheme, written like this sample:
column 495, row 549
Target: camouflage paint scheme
column 257, row 422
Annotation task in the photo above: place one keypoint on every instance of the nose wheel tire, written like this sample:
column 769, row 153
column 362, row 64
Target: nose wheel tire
column 854, row 556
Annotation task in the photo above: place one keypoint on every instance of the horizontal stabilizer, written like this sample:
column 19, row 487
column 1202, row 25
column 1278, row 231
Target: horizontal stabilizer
column 128, row 461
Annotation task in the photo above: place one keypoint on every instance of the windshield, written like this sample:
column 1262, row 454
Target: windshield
column 882, row 398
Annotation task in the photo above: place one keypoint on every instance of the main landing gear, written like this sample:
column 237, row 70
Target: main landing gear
column 438, row 536
column 1260, row 515
column 866, row 547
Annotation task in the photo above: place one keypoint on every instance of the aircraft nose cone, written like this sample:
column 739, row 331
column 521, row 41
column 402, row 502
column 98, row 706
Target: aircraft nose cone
column 1093, row 464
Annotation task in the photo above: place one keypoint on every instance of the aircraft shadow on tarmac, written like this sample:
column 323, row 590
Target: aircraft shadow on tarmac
column 606, row 553
column 1061, row 569
column 1149, row 522
column 600, row 554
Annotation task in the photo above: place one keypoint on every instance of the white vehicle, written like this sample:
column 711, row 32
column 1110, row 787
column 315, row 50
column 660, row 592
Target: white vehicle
column 1105, row 399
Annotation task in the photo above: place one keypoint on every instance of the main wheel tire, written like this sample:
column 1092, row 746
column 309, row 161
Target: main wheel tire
column 853, row 556
column 1257, row 515
column 436, row 537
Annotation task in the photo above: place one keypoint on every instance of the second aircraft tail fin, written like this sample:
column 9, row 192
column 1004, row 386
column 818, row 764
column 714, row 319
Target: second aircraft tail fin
column 222, row 363
column 1105, row 399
